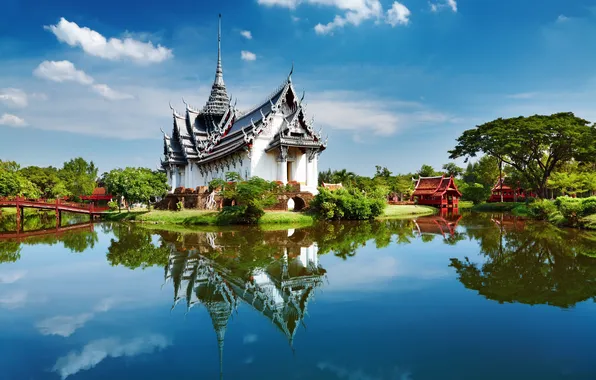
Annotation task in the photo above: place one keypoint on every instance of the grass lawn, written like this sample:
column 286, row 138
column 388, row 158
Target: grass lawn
column 465, row 205
column 404, row 212
column 203, row 217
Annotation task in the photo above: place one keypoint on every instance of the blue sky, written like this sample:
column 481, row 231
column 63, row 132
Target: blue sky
column 391, row 83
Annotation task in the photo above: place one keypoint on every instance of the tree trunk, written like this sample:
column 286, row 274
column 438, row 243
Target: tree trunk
column 501, row 177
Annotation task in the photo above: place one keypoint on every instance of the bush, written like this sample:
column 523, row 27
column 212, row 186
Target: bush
column 589, row 206
column 113, row 205
column 180, row 206
column 475, row 192
column 542, row 209
column 345, row 204
column 571, row 208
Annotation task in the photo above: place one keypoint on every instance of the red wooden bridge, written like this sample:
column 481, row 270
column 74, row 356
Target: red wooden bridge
column 57, row 205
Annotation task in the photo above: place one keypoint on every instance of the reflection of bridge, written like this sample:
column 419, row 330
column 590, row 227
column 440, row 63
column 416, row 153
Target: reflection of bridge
column 47, row 231
column 57, row 205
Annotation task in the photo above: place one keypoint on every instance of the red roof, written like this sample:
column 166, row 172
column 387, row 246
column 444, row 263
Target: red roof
column 99, row 191
column 501, row 181
column 436, row 186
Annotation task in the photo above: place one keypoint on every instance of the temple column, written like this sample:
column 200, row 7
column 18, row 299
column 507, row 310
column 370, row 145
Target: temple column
column 310, row 166
column 282, row 164
column 174, row 178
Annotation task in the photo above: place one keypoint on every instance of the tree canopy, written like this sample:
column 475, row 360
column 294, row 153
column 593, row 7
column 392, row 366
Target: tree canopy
column 533, row 145
column 136, row 184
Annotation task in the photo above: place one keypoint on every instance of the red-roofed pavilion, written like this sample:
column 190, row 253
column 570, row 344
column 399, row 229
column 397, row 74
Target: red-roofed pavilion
column 436, row 191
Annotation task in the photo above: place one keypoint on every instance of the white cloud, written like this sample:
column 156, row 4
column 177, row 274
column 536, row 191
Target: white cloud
column 562, row 18
column 12, row 120
column 66, row 325
column 64, row 71
column 96, row 351
column 340, row 372
column 108, row 93
column 446, row 4
column 95, row 44
column 295, row 19
column 250, row 338
column 247, row 55
column 13, row 97
column 15, row 299
column 399, row 14
column 346, row 110
column 280, row 3
column 246, row 34
column 355, row 11
column 523, row 95
column 12, row 277
column 63, row 325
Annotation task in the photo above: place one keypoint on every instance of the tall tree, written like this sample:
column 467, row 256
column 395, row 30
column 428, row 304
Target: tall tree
column 136, row 184
column 427, row 171
column 79, row 176
column 453, row 170
column 533, row 145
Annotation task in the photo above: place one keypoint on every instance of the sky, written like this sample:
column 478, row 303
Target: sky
column 391, row 83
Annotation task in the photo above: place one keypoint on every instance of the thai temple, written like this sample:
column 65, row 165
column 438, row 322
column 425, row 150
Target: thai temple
column 272, row 140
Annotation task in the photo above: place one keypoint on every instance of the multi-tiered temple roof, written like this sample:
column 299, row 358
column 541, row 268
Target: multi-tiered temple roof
column 219, row 130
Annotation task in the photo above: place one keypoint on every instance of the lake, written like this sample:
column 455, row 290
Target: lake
column 473, row 296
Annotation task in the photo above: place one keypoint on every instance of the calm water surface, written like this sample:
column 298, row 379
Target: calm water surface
column 472, row 297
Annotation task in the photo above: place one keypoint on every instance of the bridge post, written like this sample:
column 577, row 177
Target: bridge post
column 58, row 214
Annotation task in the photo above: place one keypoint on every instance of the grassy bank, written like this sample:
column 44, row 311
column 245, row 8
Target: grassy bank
column 404, row 212
column 589, row 222
column 271, row 218
column 203, row 218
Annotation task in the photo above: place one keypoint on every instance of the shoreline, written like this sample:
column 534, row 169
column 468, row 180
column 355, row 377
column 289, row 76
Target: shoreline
column 271, row 218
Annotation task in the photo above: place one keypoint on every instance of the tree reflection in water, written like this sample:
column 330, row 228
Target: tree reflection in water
column 528, row 262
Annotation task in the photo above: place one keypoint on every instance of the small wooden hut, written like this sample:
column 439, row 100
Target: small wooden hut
column 436, row 191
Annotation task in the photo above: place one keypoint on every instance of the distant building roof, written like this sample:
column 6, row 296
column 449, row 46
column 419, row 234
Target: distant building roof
column 435, row 186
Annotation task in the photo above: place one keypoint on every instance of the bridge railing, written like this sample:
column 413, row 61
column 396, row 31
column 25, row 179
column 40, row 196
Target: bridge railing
column 56, row 202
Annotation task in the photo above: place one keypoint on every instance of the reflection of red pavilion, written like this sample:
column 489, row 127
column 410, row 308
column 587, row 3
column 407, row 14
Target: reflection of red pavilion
column 509, row 194
column 508, row 222
column 436, row 191
column 443, row 224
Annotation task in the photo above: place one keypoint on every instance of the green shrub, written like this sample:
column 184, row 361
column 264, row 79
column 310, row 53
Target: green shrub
column 589, row 205
column 113, row 205
column 542, row 209
column 347, row 204
column 571, row 208
column 180, row 206
column 475, row 192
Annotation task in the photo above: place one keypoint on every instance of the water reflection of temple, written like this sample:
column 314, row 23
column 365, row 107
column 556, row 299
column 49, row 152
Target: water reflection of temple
column 213, row 273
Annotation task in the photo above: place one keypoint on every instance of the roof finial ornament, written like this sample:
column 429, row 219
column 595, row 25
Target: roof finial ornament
column 172, row 108
column 291, row 72
column 303, row 94
column 184, row 101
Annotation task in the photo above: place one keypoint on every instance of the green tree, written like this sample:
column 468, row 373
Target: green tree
column 533, row 145
column 475, row 192
column 79, row 176
column 453, row 170
column 46, row 180
column 136, row 184
column 250, row 197
column 427, row 171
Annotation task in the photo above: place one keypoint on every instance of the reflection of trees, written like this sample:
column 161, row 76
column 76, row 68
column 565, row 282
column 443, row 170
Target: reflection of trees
column 344, row 239
column 10, row 251
column 134, row 248
column 532, row 263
